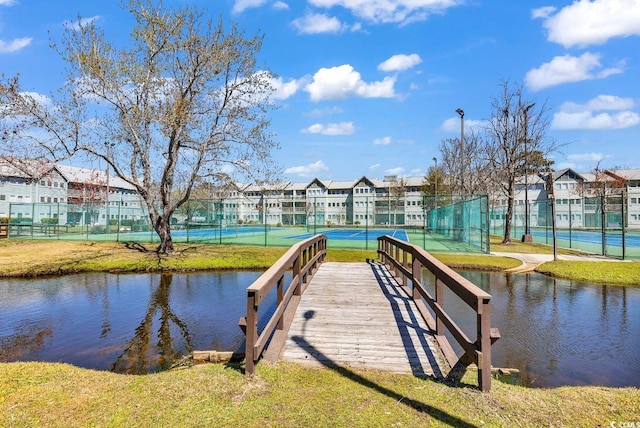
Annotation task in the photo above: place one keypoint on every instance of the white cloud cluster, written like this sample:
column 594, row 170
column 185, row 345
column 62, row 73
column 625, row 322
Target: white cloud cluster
column 604, row 112
column 382, row 141
column 242, row 5
column 315, row 23
column 343, row 81
column 586, row 22
column 309, row 170
column 400, row 62
column 342, row 128
column 14, row 45
column 389, row 11
column 568, row 68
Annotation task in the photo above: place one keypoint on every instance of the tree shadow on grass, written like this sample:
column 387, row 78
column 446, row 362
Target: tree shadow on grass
column 419, row 406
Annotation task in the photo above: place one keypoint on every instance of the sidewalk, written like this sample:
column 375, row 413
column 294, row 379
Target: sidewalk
column 531, row 261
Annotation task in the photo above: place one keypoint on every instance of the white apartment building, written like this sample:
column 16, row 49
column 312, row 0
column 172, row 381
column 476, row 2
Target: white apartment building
column 59, row 191
column 577, row 204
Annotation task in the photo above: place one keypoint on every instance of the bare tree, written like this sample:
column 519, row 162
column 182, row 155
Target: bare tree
column 516, row 143
column 183, row 102
column 472, row 178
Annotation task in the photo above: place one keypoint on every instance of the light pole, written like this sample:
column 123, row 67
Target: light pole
column 435, row 173
column 527, row 235
column 462, row 154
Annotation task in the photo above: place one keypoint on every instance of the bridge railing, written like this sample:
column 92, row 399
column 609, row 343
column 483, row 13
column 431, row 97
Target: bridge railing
column 302, row 259
column 406, row 261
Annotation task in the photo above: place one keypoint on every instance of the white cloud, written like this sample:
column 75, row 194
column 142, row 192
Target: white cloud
column 394, row 11
column 382, row 141
column 589, row 120
column 594, row 115
column 14, row 45
column 284, row 90
column 242, row 5
column 7, row 2
column 586, row 22
column 601, row 102
column 341, row 128
column 452, row 125
column 394, row 171
column 375, row 166
column 343, row 81
column 543, row 12
column 280, row 5
column 586, row 157
column 307, row 170
column 315, row 23
column 400, row 62
column 567, row 68
column 39, row 98
column 76, row 25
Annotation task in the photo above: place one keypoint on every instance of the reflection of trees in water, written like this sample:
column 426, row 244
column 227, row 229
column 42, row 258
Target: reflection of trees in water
column 16, row 346
column 140, row 355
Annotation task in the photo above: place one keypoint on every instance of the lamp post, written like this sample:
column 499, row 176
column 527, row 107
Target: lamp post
column 435, row 173
column 462, row 153
column 527, row 235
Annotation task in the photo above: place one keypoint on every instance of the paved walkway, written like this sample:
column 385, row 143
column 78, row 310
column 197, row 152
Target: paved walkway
column 531, row 261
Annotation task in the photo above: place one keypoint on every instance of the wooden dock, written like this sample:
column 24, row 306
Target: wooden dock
column 355, row 315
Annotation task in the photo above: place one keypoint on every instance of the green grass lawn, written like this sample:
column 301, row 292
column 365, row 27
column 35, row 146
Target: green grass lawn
column 289, row 395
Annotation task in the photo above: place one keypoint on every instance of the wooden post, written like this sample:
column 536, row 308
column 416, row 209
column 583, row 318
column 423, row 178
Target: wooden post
column 440, row 301
column 416, row 274
column 484, row 344
column 252, row 333
column 279, row 299
column 296, row 271
column 405, row 265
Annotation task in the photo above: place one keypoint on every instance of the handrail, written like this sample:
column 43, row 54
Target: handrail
column 303, row 259
column 394, row 254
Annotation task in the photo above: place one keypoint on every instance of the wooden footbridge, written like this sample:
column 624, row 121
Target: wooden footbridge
column 374, row 314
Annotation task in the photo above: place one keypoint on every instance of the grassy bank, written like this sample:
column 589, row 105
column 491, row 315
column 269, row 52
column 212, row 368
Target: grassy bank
column 37, row 394
column 37, row 258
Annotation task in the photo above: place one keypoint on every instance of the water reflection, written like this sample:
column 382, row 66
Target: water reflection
column 560, row 332
column 140, row 354
column 125, row 323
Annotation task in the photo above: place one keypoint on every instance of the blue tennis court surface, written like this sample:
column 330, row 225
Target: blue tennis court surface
column 356, row 234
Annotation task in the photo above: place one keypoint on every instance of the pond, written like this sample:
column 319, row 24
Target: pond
column 134, row 323
column 556, row 332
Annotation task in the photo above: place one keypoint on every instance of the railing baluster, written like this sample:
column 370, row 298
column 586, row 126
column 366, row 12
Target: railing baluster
column 440, row 301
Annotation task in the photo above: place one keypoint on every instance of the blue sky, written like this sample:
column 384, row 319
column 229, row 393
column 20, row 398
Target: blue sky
column 371, row 87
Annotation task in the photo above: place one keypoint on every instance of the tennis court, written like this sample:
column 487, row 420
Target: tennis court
column 355, row 234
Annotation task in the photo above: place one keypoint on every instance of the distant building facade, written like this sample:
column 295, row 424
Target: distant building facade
column 64, row 194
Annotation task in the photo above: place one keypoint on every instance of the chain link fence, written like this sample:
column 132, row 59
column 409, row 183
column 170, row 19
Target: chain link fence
column 445, row 223
column 600, row 225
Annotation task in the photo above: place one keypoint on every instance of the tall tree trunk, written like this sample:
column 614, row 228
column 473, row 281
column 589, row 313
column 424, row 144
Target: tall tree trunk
column 163, row 229
column 509, row 217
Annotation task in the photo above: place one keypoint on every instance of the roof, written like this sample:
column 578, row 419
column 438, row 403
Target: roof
column 75, row 174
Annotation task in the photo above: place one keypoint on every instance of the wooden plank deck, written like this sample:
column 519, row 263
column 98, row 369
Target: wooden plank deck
column 354, row 314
